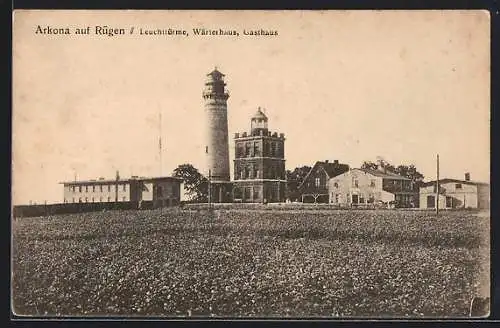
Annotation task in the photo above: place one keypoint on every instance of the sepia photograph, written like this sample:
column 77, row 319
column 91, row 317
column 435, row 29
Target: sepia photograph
column 183, row 164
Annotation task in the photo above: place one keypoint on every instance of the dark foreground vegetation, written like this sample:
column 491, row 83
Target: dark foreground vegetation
column 249, row 263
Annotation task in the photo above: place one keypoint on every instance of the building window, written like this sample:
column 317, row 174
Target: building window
column 361, row 199
column 124, row 187
column 458, row 186
column 100, row 187
column 371, row 198
column 109, row 187
column 86, row 188
column 317, row 182
column 93, row 188
column 86, row 200
column 256, row 148
column 241, row 151
column 347, row 198
column 372, row 183
column 248, row 172
column 337, row 198
column 355, row 183
column 247, row 149
column 256, row 193
column 159, row 191
column 109, row 199
column 273, row 149
column 73, row 188
column 79, row 199
column 335, row 184
column 257, row 173
column 79, row 188
column 92, row 199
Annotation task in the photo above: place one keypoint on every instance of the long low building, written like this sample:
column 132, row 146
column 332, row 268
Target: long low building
column 163, row 191
column 454, row 193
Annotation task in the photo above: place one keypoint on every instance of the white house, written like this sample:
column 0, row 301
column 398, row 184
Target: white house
column 455, row 193
column 363, row 187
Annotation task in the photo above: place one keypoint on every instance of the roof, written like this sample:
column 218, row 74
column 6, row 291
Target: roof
column 101, row 181
column 330, row 169
column 259, row 115
column 216, row 73
column 386, row 175
column 448, row 180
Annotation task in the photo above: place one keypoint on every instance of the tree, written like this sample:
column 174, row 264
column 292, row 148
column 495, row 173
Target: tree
column 367, row 165
column 294, row 179
column 195, row 184
column 409, row 171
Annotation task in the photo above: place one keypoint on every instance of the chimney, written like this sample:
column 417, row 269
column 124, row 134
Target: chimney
column 326, row 161
column 336, row 161
column 467, row 176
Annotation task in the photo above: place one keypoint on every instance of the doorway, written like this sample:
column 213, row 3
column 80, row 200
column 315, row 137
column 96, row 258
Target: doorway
column 431, row 201
column 355, row 199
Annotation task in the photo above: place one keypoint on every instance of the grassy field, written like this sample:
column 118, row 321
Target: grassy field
column 250, row 263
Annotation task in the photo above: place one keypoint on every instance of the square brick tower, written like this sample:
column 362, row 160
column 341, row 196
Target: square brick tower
column 259, row 166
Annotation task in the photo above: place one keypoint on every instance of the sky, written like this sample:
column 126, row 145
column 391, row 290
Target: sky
column 345, row 85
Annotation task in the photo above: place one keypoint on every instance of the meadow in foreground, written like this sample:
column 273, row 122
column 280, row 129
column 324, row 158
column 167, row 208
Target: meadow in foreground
column 249, row 263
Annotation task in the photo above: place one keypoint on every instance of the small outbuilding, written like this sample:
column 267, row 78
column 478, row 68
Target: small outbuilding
column 454, row 193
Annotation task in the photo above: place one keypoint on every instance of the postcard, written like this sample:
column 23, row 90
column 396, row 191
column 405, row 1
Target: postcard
column 180, row 164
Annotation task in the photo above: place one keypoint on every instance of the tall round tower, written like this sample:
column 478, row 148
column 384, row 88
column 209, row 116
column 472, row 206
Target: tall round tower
column 217, row 142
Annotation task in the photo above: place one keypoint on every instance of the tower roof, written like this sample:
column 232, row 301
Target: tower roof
column 216, row 74
column 259, row 115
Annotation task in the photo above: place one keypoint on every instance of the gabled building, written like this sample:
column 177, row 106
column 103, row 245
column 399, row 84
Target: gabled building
column 362, row 187
column 314, row 187
column 455, row 193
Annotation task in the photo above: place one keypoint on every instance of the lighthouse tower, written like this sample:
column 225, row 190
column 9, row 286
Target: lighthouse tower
column 217, row 144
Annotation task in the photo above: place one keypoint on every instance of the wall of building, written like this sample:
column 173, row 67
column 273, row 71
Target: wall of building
column 259, row 191
column 96, row 192
column 483, row 197
column 314, row 189
column 130, row 190
column 167, row 191
column 310, row 184
column 68, row 208
column 147, row 191
column 259, row 146
column 217, row 141
column 368, row 189
column 464, row 197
